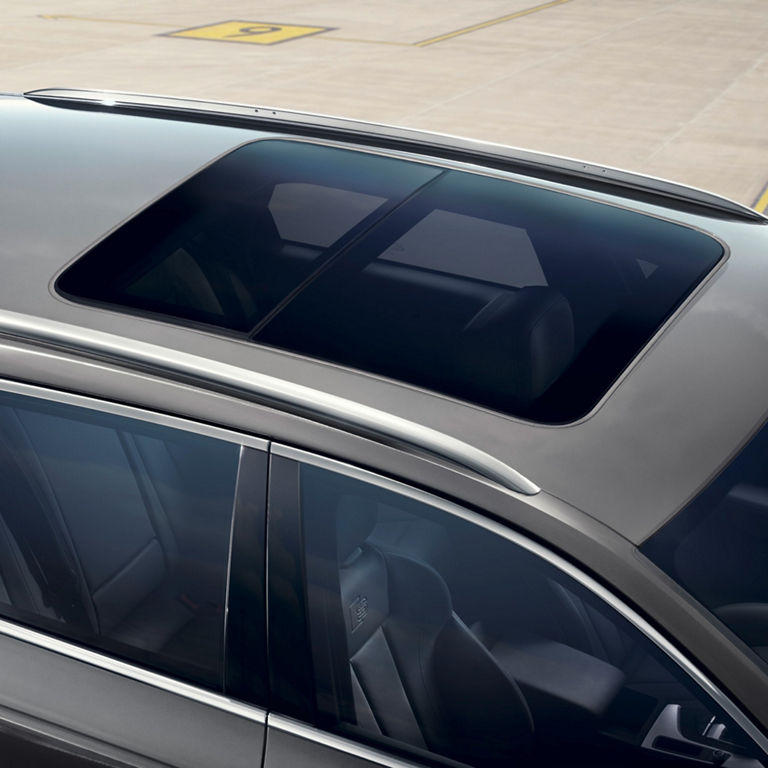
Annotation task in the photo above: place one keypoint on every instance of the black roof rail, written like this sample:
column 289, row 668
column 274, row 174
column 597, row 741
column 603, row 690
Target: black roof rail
column 550, row 167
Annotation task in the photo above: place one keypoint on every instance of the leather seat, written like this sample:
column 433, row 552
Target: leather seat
column 91, row 515
column 518, row 344
column 417, row 673
column 535, row 601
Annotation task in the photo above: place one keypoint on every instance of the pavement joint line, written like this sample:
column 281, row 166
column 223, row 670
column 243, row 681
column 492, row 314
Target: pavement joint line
column 761, row 204
column 420, row 44
column 360, row 40
column 409, row 117
column 489, row 23
column 57, row 16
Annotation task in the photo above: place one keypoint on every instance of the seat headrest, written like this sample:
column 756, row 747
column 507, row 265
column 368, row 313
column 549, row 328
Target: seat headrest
column 355, row 519
column 521, row 341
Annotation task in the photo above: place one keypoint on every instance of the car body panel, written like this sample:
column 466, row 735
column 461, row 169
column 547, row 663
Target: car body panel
column 595, row 548
column 669, row 423
column 633, row 482
column 117, row 718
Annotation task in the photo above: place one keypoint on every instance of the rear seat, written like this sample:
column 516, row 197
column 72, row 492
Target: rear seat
column 107, row 531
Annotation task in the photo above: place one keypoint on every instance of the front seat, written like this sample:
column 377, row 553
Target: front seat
column 418, row 674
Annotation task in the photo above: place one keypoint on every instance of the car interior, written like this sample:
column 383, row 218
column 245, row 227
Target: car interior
column 116, row 534
column 432, row 632
column 514, row 297
column 717, row 547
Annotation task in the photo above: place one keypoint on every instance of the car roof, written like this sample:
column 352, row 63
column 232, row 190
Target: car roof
column 676, row 416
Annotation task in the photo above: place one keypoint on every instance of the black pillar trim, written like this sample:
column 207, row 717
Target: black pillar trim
column 246, row 676
column 290, row 658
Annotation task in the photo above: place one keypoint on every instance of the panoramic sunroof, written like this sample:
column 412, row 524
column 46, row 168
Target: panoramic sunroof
column 524, row 300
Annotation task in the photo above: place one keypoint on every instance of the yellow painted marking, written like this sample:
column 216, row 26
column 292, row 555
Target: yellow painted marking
column 256, row 32
column 57, row 16
column 491, row 23
column 761, row 206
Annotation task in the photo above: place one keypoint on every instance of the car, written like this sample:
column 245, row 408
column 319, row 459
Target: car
column 330, row 443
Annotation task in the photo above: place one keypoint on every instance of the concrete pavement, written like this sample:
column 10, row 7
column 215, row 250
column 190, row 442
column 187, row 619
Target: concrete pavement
column 674, row 88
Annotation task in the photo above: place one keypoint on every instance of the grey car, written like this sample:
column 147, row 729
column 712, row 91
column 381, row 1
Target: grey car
column 326, row 443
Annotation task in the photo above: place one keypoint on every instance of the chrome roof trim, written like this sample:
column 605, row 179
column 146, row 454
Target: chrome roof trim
column 540, row 550
column 328, row 407
column 125, row 669
column 419, row 141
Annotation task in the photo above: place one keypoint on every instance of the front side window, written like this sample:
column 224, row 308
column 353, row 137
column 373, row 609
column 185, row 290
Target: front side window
column 114, row 533
column 435, row 636
column 717, row 547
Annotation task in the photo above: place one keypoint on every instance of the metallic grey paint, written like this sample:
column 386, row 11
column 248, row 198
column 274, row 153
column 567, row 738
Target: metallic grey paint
column 590, row 544
column 281, row 119
column 102, row 704
column 275, row 391
column 633, row 473
column 674, row 418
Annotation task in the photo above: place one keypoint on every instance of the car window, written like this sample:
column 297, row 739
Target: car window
column 521, row 299
column 717, row 547
column 434, row 635
column 114, row 533
column 316, row 214
column 229, row 244
column 442, row 240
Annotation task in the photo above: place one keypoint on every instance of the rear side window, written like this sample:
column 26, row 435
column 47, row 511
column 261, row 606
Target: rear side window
column 114, row 533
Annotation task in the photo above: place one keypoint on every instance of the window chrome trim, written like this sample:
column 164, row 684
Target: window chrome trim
column 604, row 594
column 95, row 658
column 132, row 412
column 333, row 408
column 326, row 739
column 133, row 672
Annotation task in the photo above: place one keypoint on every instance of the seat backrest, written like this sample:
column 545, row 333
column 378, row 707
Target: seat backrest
column 101, row 517
column 520, row 342
column 418, row 674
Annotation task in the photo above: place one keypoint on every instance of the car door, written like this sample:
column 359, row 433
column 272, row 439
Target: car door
column 408, row 629
column 115, row 532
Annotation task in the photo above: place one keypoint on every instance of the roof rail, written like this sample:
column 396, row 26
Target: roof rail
column 453, row 147
column 331, row 409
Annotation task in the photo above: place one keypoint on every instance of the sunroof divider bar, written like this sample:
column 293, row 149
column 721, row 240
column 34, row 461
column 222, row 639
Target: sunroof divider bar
column 329, row 407
column 335, row 257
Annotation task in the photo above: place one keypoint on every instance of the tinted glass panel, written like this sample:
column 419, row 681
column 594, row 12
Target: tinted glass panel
column 234, row 240
column 442, row 240
column 115, row 533
column 717, row 548
column 314, row 214
column 525, row 300
column 435, row 636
